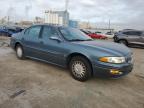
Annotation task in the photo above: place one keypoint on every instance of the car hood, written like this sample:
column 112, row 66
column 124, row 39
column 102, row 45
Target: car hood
column 107, row 47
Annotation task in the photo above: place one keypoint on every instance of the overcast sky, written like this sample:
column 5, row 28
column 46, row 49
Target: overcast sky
column 123, row 13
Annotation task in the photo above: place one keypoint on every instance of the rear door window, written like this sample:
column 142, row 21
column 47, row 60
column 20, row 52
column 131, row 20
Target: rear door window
column 135, row 33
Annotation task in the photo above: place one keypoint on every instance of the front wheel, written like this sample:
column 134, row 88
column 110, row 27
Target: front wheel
column 80, row 68
column 20, row 52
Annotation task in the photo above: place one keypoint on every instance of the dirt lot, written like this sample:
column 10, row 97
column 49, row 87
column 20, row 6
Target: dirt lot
column 33, row 84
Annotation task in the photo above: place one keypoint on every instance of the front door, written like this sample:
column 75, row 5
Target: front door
column 51, row 50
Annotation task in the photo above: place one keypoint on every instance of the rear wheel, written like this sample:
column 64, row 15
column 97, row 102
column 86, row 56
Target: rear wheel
column 20, row 52
column 80, row 68
column 124, row 42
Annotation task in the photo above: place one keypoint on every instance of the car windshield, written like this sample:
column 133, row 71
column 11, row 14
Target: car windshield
column 72, row 34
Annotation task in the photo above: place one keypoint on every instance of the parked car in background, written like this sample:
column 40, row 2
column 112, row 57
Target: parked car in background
column 109, row 35
column 94, row 35
column 4, row 31
column 97, row 36
column 98, row 32
column 130, row 37
column 18, row 29
column 9, row 31
column 69, row 47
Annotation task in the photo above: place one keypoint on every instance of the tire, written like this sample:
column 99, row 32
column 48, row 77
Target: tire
column 124, row 42
column 80, row 68
column 20, row 52
column 115, row 39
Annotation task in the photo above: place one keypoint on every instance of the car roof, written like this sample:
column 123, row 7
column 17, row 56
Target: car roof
column 128, row 30
column 52, row 25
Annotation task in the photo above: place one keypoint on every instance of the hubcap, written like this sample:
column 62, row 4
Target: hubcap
column 78, row 68
column 19, row 52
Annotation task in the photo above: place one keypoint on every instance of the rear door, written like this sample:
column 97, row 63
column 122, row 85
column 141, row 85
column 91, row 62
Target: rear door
column 31, row 41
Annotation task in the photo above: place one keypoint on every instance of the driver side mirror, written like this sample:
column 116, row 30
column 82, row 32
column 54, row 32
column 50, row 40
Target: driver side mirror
column 55, row 38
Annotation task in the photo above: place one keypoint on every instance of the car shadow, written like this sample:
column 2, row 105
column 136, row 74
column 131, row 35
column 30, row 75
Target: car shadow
column 66, row 72
column 137, row 46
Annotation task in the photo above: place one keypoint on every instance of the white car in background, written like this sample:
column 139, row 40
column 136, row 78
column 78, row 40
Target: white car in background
column 109, row 34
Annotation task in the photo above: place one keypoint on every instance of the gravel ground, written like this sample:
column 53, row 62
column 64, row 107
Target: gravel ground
column 34, row 84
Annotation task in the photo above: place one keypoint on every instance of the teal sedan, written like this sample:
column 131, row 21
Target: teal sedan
column 70, row 48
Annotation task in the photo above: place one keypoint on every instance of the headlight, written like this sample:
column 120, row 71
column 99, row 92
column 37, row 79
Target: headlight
column 116, row 60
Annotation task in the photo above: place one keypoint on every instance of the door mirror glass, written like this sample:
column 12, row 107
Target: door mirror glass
column 55, row 38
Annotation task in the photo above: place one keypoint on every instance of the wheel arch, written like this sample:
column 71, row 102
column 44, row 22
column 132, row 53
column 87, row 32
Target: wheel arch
column 70, row 56
column 17, row 43
column 123, row 40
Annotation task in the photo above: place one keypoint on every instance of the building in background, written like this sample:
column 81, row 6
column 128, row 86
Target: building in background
column 86, row 25
column 93, row 27
column 25, row 23
column 57, row 17
column 38, row 20
column 73, row 23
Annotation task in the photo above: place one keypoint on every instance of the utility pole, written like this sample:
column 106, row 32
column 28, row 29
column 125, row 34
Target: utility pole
column 109, row 26
column 8, row 20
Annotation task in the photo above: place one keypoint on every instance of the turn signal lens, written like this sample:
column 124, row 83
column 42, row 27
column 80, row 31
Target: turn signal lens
column 104, row 59
column 116, row 60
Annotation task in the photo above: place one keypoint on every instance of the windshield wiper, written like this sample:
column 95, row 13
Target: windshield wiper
column 89, row 40
column 81, row 40
column 76, row 40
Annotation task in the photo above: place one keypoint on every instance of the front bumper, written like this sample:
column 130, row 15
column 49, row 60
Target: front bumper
column 105, row 71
